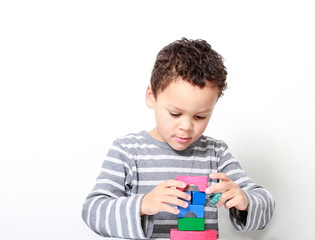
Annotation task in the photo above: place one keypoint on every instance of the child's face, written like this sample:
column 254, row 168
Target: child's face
column 182, row 112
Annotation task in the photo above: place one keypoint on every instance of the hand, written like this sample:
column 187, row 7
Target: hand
column 232, row 194
column 157, row 200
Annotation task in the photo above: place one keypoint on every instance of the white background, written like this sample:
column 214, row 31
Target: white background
column 73, row 77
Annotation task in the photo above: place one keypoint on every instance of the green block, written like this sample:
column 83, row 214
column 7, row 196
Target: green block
column 214, row 198
column 191, row 224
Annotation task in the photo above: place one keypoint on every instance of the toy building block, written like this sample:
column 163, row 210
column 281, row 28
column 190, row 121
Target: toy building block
column 193, row 235
column 214, row 198
column 198, row 198
column 191, row 224
column 193, row 228
column 200, row 181
column 196, row 209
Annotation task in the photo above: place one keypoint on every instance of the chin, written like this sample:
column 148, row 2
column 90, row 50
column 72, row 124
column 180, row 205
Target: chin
column 179, row 148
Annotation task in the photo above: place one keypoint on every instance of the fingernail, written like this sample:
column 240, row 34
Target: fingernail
column 211, row 175
column 208, row 191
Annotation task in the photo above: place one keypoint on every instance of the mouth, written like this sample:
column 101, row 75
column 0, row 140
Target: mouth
column 182, row 140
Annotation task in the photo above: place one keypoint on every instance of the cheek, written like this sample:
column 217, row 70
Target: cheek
column 167, row 124
column 163, row 120
column 171, row 127
column 201, row 127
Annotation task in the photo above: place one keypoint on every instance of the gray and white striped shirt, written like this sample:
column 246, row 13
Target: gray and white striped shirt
column 136, row 163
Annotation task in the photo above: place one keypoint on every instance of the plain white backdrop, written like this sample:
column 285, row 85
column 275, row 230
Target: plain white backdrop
column 73, row 77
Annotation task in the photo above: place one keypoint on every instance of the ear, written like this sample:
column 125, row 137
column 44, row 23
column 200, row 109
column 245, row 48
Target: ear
column 149, row 97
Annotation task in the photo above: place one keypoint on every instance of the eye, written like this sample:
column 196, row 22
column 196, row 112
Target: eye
column 175, row 114
column 200, row 117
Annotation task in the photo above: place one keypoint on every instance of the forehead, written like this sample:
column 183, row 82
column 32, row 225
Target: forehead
column 184, row 95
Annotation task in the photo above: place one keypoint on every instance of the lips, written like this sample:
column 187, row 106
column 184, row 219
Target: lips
column 182, row 140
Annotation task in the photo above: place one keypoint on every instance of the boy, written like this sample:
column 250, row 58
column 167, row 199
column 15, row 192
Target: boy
column 135, row 195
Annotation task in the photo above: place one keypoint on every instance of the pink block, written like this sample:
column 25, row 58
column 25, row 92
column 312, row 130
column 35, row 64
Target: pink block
column 193, row 235
column 200, row 181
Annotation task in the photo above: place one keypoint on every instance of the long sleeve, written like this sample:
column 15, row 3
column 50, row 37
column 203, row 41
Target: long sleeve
column 136, row 163
column 112, row 209
column 261, row 203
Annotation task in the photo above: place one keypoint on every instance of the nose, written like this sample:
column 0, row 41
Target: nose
column 186, row 124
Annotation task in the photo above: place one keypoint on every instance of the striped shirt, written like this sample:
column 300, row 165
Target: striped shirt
column 136, row 163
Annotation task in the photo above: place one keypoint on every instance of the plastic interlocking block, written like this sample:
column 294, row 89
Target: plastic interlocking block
column 193, row 228
column 198, row 210
column 193, row 235
column 191, row 224
column 198, row 198
column 200, row 181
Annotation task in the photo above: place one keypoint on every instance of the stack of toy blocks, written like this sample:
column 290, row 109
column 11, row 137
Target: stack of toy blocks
column 193, row 228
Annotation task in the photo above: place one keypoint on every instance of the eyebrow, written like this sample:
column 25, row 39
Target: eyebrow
column 181, row 110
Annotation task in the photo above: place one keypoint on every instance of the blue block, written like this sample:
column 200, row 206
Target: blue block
column 196, row 209
column 198, row 198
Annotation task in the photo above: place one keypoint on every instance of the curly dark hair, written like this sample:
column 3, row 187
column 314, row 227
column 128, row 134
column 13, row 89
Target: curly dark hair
column 192, row 60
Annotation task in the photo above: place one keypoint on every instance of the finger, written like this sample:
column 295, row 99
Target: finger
column 220, row 176
column 177, row 193
column 173, row 183
column 220, row 187
column 170, row 209
column 237, row 202
column 176, row 202
column 186, row 188
column 225, row 197
column 231, row 203
column 183, row 195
